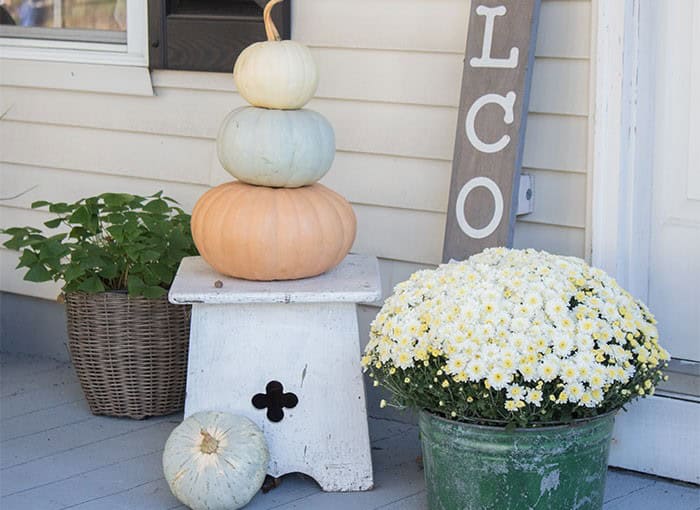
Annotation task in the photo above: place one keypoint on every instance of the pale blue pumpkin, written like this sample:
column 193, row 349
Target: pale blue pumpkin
column 276, row 148
column 215, row 461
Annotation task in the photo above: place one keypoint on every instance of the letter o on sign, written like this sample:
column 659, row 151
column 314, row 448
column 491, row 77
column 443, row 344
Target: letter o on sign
column 480, row 182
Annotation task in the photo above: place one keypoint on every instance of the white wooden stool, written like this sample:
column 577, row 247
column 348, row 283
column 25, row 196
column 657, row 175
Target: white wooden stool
column 287, row 356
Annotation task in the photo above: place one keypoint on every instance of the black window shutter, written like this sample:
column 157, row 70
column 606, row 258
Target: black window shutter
column 208, row 35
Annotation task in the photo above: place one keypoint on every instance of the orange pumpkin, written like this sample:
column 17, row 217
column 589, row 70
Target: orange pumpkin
column 260, row 233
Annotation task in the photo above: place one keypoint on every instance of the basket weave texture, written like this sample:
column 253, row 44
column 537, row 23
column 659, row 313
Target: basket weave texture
column 130, row 354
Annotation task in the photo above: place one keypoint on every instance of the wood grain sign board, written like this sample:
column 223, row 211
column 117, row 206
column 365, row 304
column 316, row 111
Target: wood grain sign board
column 491, row 126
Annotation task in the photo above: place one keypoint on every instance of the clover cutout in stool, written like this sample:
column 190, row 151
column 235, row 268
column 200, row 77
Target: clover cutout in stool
column 275, row 400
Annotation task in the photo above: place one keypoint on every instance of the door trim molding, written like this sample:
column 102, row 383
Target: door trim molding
column 620, row 181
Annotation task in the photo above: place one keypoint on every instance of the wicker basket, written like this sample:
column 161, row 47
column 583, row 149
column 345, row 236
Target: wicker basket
column 130, row 354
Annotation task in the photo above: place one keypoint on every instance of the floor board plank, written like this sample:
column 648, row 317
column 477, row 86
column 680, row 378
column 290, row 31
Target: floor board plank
column 44, row 420
column 65, row 439
column 36, row 381
column 47, row 397
column 82, row 460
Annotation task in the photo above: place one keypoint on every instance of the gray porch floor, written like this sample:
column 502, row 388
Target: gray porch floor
column 55, row 455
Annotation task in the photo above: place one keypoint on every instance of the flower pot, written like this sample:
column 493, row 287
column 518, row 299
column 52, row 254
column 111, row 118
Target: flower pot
column 474, row 467
column 130, row 354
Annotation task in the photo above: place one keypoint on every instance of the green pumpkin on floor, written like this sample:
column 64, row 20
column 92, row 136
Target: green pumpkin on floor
column 215, row 461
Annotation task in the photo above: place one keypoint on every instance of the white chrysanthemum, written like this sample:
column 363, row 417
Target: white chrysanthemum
column 513, row 320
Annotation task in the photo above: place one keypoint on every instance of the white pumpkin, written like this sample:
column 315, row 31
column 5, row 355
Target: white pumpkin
column 276, row 74
column 276, row 148
column 215, row 461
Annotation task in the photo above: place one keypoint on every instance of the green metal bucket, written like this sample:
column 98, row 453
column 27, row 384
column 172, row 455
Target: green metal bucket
column 474, row 467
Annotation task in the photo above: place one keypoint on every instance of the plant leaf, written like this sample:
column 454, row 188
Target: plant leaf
column 37, row 274
column 60, row 208
column 153, row 292
column 73, row 272
column 135, row 285
column 92, row 285
column 116, row 199
column 158, row 206
column 53, row 223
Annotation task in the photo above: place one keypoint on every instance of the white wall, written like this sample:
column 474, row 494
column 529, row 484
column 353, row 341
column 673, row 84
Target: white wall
column 391, row 72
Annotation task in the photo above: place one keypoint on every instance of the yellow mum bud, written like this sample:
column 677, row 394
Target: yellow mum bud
column 392, row 370
column 470, row 399
column 375, row 383
column 445, row 383
column 377, row 365
column 382, row 404
column 407, row 380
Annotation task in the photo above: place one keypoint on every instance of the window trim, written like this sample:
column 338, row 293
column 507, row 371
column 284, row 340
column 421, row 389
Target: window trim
column 134, row 53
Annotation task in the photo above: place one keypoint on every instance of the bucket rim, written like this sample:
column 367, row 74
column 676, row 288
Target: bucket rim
column 522, row 430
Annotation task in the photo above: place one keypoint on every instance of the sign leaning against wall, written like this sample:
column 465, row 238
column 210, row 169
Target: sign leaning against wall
column 491, row 126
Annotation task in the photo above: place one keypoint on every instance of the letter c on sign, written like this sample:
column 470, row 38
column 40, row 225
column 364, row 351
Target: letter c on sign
column 506, row 102
column 480, row 182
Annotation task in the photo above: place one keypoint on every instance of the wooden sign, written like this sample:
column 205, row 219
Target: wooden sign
column 491, row 127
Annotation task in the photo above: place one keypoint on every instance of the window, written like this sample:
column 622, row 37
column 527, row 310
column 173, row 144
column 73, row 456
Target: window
column 98, row 16
column 90, row 31
column 207, row 35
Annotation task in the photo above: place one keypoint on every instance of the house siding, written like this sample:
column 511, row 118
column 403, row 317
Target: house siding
column 390, row 83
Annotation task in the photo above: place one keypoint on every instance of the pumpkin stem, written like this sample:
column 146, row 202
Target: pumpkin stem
column 209, row 444
column 270, row 28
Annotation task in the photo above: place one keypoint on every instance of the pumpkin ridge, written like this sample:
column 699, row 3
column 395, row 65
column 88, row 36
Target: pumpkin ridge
column 284, row 204
column 200, row 213
column 338, row 203
column 273, row 256
column 338, row 251
column 242, row 241
column 333, row 203
column 331, row 221
column 217, row 213
column 318, row 231
column 221, row 207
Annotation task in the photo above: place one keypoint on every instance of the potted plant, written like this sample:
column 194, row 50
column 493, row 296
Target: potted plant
column 517, row 362
column 116, row 255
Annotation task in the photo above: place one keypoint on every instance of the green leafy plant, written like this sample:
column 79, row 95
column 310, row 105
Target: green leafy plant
column 109, row 242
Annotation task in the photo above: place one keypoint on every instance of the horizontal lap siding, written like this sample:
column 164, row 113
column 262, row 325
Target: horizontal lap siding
column 391, row 72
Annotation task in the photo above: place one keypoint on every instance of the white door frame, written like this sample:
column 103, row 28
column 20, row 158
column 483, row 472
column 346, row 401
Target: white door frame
column 620, row 187
column 621, row 176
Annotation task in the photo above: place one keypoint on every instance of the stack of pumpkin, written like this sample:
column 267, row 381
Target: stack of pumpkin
column 276, row 222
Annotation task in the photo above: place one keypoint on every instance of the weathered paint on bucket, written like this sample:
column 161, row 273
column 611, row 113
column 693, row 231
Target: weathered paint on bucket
column 474, row 467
